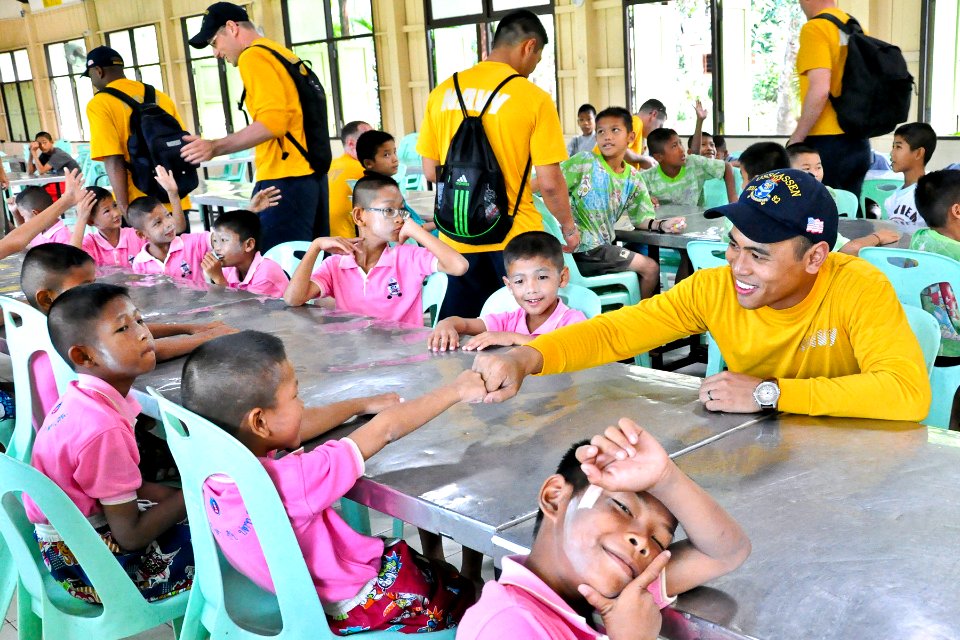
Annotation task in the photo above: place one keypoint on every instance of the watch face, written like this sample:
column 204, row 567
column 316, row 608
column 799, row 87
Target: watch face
column 767, row 393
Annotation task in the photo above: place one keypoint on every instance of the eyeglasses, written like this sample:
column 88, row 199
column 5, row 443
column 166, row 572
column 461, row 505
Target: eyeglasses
column 389, row 213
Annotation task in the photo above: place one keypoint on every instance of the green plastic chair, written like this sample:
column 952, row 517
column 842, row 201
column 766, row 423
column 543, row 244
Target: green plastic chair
column 574, row 296
column 289, row 254
column 927, row 330
column 714, row 193
column 912, row 272
column 235, row 172
column 224, row 603
column 878, row 190
column 434, row 291
column 44, row 608
column 95, row 174
column 847, row 203
column 705, row 254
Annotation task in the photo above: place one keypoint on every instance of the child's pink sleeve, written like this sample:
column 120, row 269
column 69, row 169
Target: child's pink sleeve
column 269, row 280
column 417, row 259
column 323, row 276
column 107, row 467
column 571, row 316
column 45, row 385
column 329, row 471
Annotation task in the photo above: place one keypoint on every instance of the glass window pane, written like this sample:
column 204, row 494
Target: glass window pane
column 11, row 100
column 58, row 59
column 6, row 68
column 454, row 49
column 65, row 104
column 120, row 42
column 84, row 95
column 76, row 53
column 440, row 9
column 31, row 111
column 193, row 27
column 945, row 70
column 545, row 75
column 152, row 75
column 360, row 95
column 307, row 21
column 319, row 59
column 504, row 5
column 22, row 61
column 145, row 42
column 206, row 82
column 351, row 18
column 234, row 91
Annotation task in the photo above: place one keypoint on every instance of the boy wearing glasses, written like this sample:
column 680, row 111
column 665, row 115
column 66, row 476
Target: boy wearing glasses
column 368, row 276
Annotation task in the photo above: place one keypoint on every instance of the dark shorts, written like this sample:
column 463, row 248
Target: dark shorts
column 294, row 216
column 607, row 258
column 845, row 160
column 467, row 293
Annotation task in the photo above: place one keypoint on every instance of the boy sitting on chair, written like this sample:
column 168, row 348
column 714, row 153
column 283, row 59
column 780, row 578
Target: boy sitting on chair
column 235, row 260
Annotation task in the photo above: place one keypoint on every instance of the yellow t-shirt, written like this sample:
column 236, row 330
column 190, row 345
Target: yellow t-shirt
column 637, row 145
column 110, row 126
column 845, row 350
column 272, row 100
column 343, row 169
column 820, row 48
column 521, row 124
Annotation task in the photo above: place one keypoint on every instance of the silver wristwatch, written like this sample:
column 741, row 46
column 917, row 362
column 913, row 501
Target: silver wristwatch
column 767, row 394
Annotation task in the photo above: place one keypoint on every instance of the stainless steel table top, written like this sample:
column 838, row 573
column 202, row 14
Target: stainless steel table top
column 23, row 179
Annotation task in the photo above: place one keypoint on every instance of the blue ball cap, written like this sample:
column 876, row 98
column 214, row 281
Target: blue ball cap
column 102, row 57
column 783, row 204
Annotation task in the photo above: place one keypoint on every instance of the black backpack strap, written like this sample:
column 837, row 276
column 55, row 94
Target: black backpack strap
column 243, row 96
column 849, row 27
column 120, row 95
column 149, row 94
column 494, row 93
column 456, row 87
column 523, row 183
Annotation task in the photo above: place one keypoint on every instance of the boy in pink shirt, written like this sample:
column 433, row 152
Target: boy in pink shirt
column 86, row 446
column 535, row 273
column 362, row 582
column 111, row 244
column 367, row 276
column 236, row 261
column 30, row 203
column 603, row 546
column 178, row 256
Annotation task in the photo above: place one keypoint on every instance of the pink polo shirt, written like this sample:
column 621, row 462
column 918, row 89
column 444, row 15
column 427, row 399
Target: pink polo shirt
column 265, row 277
column 391, row 291
column 107, row 255
column 341, row 561
column 86, row 446
column 59, row 232
column 516, row 320
column 45, row 387
column 520, row 606
column 183, row 259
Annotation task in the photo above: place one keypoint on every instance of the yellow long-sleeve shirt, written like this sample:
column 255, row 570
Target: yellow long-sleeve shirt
column 846, row 350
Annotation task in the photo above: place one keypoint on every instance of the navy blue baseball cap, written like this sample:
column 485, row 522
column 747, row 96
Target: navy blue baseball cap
column 217, row 15
column 102, row 57
column 783, row 204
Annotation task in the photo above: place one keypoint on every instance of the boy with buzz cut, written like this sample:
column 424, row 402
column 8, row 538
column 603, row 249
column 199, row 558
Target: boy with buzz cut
column 603, row 544
column 235, row 260
column 678, row 179
column 30, row 203
column 603, row 187
column 913, row 146
column 586, row 120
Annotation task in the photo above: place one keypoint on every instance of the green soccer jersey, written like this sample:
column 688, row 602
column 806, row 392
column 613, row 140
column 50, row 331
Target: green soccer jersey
column 687, row 186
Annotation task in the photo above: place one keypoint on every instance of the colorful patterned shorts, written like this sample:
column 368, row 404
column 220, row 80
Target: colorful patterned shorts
column 164, row 569
column 411, row 595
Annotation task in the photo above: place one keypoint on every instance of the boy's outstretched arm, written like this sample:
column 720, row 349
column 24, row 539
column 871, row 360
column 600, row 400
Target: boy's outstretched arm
column 179, row 340
column 697, row 141
column 449, row 259
column 166, row 180
column 85, row 206
column 715, row 543
column 401, row 419
column 319, row 420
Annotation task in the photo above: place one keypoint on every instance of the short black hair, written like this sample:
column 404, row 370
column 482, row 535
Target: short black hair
column 46, row 266
column 569, row 469
column 33, row 198
column 244, row 223
column 138, row 210
column 652, row 105
column 919, row 135
column 226, row 378
column 99, row 194
column 533, row 244
column 658, row 139
column 587, row 108
column 719, row 141
column 74, row 314
column 936, row 193
column 367, row 188
column 350, row 129
column 518, row 26
column 761, row 157
column 703, row 136
column 43, row 134
column 617, row 112
column 799, row 149
column 369, row 142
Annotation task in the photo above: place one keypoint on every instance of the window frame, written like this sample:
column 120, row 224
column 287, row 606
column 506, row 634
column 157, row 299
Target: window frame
column 17, row 82
column 331, row 41
column 85, row 135
column 190, row 57
column 134, row 63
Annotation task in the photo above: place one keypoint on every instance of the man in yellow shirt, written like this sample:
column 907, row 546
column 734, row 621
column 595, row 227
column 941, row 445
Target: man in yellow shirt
column 802, row 330
column 110, row 122
column 342, row 170
column 274, row 106
column 649, row 118
column 820, row 61
column 522, row 125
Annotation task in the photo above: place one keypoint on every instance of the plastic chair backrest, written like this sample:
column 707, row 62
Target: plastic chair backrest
column 64, row 145
column 912, row 271
column 289, row 254
column 847, row 203
column 714, row 193
column 27, row 336
column 434, row 291
column 927, row 330
column 124, row 612
column 407, row 151
column 574, row 296
column 878, row 190
column 705, row 254
column 94, row 172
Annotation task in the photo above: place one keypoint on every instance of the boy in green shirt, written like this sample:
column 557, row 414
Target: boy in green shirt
column 679, row 178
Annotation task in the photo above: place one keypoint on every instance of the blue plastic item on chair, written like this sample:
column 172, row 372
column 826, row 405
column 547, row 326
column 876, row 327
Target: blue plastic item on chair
column 44, row 608
column 847, row 203
column 705, row 254
column 434, row 291
column 224, row 603
column 911, row 272
column 878, row 190
column 289, row 254
column 574, row 296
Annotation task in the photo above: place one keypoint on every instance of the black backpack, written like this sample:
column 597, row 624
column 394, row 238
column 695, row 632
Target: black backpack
column 156, row 138
column 313, row 104
column 472, row 205
column 877, row 87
